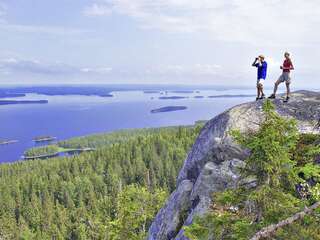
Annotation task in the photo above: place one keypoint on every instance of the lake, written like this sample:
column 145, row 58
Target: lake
column 70, row 116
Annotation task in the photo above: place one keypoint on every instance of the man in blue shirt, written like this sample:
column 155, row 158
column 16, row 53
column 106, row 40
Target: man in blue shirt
column 262, row 66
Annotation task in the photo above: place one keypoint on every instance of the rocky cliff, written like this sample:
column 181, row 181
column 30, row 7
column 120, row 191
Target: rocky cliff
column 213, row 163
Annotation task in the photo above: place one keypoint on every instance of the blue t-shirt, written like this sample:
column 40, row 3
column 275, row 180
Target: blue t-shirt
column 262, row 70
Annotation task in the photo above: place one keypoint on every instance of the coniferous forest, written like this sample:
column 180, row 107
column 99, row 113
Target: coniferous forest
column 111, row 193
column 115, row 191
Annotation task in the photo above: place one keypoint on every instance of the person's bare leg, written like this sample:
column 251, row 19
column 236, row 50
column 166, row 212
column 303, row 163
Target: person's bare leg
column 261, row 90
column 288, row 89
column 288, row 92
column 276, row 84
column 258, row 92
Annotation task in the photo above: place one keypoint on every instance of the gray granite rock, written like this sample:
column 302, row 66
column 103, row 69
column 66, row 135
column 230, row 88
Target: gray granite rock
column 172, row 216
column 214, row 161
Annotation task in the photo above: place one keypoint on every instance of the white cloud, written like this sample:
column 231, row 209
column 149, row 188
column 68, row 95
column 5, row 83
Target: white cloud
column 14, row 65
column 192, row 70
column 4, row 26
column 210, row 69
column 3, row 12
column 99, row 70
column 273, row 21
column 22, row 66
column 3, row 9
column 97, row 10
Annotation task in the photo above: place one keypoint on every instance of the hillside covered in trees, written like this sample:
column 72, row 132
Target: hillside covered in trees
column 112, row 193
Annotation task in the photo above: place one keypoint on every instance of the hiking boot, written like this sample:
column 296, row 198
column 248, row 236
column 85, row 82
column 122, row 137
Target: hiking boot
column 262, row 97
column 257, row 98
column 286, row 99
column 272, row 96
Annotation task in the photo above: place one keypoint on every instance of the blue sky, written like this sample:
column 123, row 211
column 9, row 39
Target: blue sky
column 156, row 41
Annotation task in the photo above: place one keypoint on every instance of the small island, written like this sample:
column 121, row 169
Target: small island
column 11, row 102
column 7, row 142
column 172, row 98
column 44, row 139
column 51, row 151
column 106, row 95
column 198, row 96
column 169, row 109
column 85, row 90
column 182, row 91
column 150, row 91
column 11, row 95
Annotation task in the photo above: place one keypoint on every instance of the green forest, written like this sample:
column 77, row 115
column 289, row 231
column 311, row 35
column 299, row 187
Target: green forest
column 111, row 193
column 97, row 140
column 115, row 191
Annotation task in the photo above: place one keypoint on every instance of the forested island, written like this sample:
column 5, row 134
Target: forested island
column 151, row 91
column 6, row 142
column 58, row 90
column 42, row 152
column 169, row 109
column 183, row 91
column 172, row 97
column 11, row 95
column 54, row 150
column 12, row 102
column 44, row 139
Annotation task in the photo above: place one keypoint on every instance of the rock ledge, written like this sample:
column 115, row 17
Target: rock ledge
column 214, row 160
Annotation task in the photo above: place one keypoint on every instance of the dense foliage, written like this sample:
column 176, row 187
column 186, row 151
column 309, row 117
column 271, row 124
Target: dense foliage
column 97, row 140
column 112, row 193
column 287, row 179
column 42, row 151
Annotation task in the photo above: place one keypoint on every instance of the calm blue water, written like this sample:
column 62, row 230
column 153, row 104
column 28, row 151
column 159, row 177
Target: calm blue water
column 70, row 116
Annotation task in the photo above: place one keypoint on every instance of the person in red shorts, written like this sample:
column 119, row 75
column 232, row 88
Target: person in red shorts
column 285, row 77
